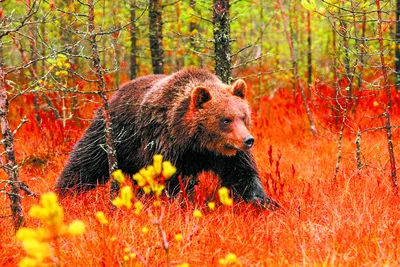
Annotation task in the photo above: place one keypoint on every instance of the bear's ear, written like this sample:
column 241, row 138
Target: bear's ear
column 239, row 88
column 200, row 96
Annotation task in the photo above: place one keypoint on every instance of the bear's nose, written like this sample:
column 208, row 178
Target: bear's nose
column 248, row 141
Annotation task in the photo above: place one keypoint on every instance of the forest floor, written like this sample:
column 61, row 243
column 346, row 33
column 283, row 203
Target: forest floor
column 353, row 222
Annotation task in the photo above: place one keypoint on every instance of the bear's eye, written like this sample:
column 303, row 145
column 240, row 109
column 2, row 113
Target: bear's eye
column 226, row 121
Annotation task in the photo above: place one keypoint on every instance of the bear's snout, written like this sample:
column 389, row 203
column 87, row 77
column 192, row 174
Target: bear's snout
column 248, row 141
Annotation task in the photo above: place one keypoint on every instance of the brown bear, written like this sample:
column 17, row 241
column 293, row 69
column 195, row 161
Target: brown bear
column 190, row 117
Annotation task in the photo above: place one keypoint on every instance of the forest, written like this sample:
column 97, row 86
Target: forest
column 323, row 86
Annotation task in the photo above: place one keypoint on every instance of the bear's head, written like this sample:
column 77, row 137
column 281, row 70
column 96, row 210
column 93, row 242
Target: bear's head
column 222, row 117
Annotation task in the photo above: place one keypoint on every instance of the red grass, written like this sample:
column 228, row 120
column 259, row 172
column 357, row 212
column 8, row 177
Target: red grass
column 355, row 222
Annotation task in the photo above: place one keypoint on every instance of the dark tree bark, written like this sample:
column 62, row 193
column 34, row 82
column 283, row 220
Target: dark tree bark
column 349, row 73
column 397, row 52
column 10, row 166
column 193, row 26
column 99, row 72
column 155, row 35
column 358, row 150
column 133, row 55
column 309, row 54
column 362, row 53
column 335, row 73
column 222, row 40
column 388, row 107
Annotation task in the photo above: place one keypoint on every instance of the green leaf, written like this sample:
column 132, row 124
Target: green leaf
column 309, row 5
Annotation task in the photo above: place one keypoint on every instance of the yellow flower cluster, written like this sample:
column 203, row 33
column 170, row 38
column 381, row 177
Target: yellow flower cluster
column 145, row 230
column 148, row 178
column 197, row 214
column 61, row 62
column 178, row 237
column 36, row 241
column 211, row 205
column 129, row 255
column 223, row 193
column 124, row 200
column 101, row 217
column 138, row 207
column 50, row 212
column 119, row 176
column 231, row 260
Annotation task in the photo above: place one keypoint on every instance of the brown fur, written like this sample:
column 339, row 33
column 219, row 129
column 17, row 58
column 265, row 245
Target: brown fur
column 190, row 117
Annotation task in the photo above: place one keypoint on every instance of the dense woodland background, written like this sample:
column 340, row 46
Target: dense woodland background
column 324, row 79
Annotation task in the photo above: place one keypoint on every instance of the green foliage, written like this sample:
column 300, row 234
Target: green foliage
column 60, row 27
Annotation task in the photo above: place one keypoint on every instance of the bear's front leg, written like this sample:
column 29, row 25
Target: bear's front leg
column 239, row 174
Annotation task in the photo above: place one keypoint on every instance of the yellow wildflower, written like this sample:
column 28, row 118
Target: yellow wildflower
column 147, row 189
column 147, row 178
column 37, row 249
column 168, row 169
column 132, row 255
column 138, row 207
column 124, row 199
column 229, row 259
column 36, row 241
column 145, row 230
column 101, row 217
column 157, row 189
column 126, row 250
column 185, row 264
column 119, row 176
column 178, row 237
column 157, row 203
column 126, row 258
column 28, row 262
column 26, row 233
column 157, row 163
column 76, row 228
column 139, row 179
column 50, row 212
column 45, row 233
column 148, row 173
column 223, row 193
column 197, row 214
column 211, row 205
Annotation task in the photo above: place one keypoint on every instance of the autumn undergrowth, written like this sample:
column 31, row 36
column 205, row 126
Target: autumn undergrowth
column 351, row 223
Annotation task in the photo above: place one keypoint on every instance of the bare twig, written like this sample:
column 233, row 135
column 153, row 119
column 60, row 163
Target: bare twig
column 296, row 70
column 110, row 146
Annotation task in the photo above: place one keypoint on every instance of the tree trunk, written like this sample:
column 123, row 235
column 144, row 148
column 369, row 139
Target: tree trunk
column 133, row 55
column 309, row 54
column 388, row 107
column 99, row 72
column 10, row 165
column 346, row 47
column 193, row 26
column 397, row 52
column 155, row 35
column 222, row 40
